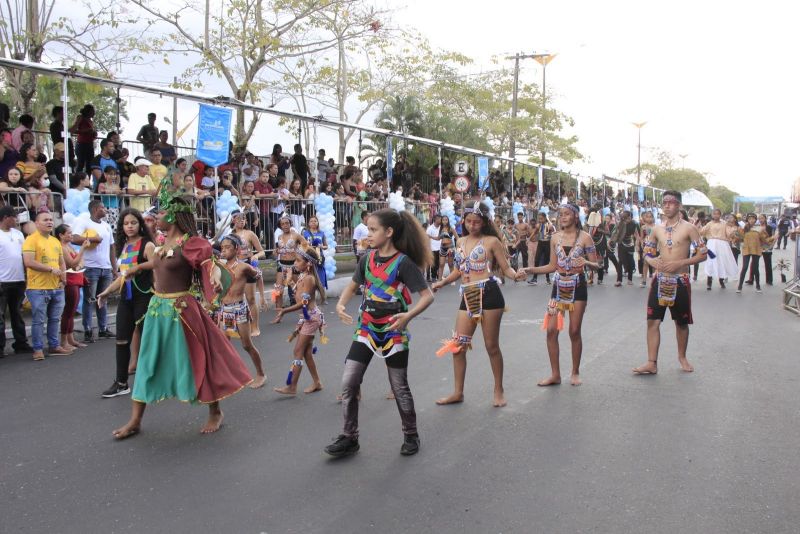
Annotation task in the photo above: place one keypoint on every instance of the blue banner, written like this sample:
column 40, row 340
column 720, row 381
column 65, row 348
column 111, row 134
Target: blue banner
column 483, row 173
column 641, row 194
column 389, row 158
column 213, row 134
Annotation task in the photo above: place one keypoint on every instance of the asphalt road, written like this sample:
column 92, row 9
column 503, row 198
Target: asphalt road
column 713, row 451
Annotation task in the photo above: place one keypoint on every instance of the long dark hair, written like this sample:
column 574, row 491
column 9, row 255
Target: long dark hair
column 312, row 252
column 482, row 210
column 119, row 236
column 408, row 236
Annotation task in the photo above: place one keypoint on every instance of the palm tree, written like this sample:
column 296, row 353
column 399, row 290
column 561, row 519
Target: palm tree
column 400, row 114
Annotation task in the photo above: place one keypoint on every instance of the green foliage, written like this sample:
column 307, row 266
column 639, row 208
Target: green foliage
column 664, row 175
column 48, row 94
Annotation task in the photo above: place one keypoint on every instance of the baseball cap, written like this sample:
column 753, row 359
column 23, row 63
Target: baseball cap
column 143, row 161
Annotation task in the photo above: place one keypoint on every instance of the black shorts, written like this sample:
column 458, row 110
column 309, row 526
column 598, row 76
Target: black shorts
column 284, row 265
column 492, row 297
column 361, row 353
column 681, row 309
column 581, row 293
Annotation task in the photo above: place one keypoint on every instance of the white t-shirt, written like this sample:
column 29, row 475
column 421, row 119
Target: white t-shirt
column 360, row 234
column 100, row 256
column 11, row 268
column 433, row 232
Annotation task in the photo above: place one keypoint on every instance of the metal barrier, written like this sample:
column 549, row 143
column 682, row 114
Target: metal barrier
column 136, row 149
column 31, row 201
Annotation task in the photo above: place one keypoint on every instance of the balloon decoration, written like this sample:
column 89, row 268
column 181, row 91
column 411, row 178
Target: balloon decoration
column 448, row 209
column 325, row 215
column 396, row 201
column 225, row 205
column 490, row 204
column 517, row 208
column 77, row 202
column 545, row 210
column 635, row 213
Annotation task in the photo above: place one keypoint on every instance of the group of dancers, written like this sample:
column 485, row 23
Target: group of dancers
column 184, row 354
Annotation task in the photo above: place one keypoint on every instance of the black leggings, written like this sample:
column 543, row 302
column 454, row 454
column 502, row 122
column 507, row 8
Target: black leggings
column 129, row 312
column 747, row 260
column 542, row 257
column 397, row 368
column 626, row 262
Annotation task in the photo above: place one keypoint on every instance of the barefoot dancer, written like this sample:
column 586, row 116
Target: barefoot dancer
column 481, row 299
column 233, row 315
column 645, row 232
column 390, row 272
column 671, row 287
column 135, row 248
column 311, row 320
column 285, row 247
column 569, row 290
column 251, row 251
column 183, row 354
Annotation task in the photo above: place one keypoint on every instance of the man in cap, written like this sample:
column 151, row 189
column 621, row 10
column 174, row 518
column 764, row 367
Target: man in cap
column 141, row 186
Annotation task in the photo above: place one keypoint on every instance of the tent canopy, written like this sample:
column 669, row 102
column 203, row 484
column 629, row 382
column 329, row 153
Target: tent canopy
column 693, row 197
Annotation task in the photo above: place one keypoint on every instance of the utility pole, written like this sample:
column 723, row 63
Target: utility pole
column 542, row 59
column 208, row 15
column 639, row 126
column 683, row 160
column 175, row 114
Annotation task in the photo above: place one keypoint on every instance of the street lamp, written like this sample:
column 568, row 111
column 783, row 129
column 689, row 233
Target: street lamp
column 639, row 126
column 543, row 60
column 683, row 160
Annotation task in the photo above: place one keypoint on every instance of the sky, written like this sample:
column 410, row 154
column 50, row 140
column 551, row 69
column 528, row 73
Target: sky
column 715, row 81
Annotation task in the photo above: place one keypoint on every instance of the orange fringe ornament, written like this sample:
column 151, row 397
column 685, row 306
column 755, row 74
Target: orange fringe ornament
column 553, row 314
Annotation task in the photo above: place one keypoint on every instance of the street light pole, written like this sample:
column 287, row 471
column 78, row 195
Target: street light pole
column 639, row 126
column 543, row 59
column 683, row 160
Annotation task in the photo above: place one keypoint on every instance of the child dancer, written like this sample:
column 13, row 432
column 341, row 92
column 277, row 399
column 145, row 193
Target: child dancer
column 233, row 315
column 307, row 286
column 389, row 272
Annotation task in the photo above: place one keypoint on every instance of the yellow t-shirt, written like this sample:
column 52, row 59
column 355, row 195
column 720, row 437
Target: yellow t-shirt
column 137, row 183
column 46, row 250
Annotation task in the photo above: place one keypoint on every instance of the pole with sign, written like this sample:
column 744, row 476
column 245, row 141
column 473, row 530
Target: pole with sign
column 213, row 135
column 389, row 163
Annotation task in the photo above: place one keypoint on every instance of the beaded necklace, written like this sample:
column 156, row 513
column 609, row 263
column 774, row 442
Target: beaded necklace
column 669, row 230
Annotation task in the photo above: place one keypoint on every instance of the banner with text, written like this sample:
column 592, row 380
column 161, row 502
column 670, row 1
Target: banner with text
column 213, row 134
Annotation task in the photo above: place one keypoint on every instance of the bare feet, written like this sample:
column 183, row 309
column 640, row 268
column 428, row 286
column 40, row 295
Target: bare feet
column 255, row 332
column 313, row 388
column 575, row 380
column 455, row 398
column 499, row 399
column 276, row 320
column 61, row 351
column 78, row 344
column 258, row 382
column 552, row 381
column 650, row 368
column 285, row 390
column 213, row 424
column 339, row 397
column 130, row 429
column 390, row 395
column 686, row 367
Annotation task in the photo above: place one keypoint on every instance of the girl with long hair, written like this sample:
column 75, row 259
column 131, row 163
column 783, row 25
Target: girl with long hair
column 478, row 254
column 285, row 248
column 753, row 241
column 447, row 250
column 183, row 353
column 72, row 289
column 134, row 249
column 625, row 237
column 390, row 272
column 569, row 290
column 251, row 252
column 307, row 286
column 316, row 239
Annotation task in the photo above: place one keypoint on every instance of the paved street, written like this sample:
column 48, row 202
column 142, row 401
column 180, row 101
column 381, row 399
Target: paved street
column 713, row 451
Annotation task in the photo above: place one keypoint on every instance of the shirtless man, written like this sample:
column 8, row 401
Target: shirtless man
column 668, row 256
column 251, row 251
column 233, row 316
column 523, row 231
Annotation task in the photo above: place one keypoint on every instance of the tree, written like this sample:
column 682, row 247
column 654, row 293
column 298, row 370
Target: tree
column 241, row 44
column 482, row 103
column 29, row 29
column 48, row 94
